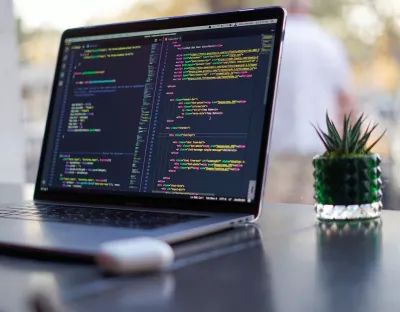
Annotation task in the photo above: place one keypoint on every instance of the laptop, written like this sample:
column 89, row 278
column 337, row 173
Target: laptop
column 155, row 128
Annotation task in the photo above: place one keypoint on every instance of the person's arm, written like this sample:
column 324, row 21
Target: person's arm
column 345, row 106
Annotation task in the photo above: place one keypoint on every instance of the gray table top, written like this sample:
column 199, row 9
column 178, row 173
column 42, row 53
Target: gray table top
column 289, row 262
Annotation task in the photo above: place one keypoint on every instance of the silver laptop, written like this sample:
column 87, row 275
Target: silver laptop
column 155, row 128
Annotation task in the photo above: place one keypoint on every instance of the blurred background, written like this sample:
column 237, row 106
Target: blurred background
column 358, row 41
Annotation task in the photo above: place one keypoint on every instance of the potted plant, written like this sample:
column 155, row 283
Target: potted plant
column 347, row 176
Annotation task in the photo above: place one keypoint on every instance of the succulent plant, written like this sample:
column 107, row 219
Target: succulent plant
column 353, row 140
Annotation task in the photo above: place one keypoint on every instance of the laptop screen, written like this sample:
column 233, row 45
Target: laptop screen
column 170, row 113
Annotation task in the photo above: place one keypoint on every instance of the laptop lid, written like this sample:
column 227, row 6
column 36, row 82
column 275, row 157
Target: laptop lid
column 167, row 113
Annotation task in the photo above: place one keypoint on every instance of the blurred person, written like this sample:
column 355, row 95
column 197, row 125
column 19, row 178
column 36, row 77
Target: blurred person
column 314, row 78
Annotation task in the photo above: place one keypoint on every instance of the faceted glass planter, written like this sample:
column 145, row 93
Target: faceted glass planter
column 347, row 188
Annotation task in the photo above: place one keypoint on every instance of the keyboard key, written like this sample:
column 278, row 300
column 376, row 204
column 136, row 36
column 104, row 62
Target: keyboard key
column 96, row 216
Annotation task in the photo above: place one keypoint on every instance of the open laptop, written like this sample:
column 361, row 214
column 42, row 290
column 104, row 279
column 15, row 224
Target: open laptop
column 155, row 128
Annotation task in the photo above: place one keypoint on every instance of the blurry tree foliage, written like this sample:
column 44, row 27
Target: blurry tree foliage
column 369, row 29
column 37, row 46
column 370, row 32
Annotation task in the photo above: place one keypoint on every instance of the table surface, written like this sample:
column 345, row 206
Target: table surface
column 288, row 262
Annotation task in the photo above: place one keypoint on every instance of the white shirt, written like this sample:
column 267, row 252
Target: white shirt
column 314, row 70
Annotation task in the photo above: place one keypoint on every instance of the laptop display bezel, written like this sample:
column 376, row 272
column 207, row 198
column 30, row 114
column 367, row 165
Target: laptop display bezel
column 132, row 199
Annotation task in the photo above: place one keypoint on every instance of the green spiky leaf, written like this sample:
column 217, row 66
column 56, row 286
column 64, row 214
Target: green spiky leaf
column 355, row 135
column 322, row 139
column 376, row 142
column 345, row 137
column 333, row 131
column 353, row 140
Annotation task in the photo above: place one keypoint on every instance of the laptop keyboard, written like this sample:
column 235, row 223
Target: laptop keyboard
column 96, row 216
